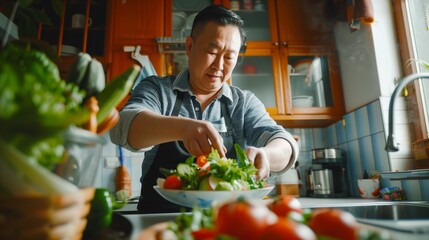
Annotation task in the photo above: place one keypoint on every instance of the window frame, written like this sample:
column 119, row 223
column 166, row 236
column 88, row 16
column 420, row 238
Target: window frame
column 414, row 100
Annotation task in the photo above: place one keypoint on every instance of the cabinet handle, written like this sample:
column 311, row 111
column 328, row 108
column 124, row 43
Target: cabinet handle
column 276, row 43
column 284, row 44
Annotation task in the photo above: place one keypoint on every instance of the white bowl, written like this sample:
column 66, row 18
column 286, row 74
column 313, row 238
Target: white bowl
column 303, row 101
column 205, row 199
column 302, row 66
column 178, row 20
column 190, row 21
column 369, row 188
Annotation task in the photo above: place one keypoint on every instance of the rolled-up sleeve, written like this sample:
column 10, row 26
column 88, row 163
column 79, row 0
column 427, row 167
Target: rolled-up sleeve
column 145, row 97
column 119, row 133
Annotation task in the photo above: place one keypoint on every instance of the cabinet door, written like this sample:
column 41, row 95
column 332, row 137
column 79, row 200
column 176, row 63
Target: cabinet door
column 313, row 83
column 305, row 22
column 258, row 72
column 136, row 23
column 138, row 19
column 260, row 23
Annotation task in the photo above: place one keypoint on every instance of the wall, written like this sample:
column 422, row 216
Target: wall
column 109, row 160
column 362, row 138
column 369, row 58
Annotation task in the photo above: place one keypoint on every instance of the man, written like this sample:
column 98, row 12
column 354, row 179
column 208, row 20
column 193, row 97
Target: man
column 196, row 111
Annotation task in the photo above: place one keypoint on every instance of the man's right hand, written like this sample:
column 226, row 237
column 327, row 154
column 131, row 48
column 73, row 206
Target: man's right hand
column 199, row 137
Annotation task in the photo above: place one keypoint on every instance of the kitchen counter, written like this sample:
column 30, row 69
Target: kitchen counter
column 131, row 208
column 142, row 221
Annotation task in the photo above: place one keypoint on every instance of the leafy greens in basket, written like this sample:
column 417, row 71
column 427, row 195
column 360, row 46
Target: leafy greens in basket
column 213, row 173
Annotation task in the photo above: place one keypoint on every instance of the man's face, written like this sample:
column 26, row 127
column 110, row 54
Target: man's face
column 212, row 56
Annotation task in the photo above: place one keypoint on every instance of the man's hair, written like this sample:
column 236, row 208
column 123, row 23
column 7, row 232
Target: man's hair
column 221, row 15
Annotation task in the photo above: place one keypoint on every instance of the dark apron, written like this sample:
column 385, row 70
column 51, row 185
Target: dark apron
column 168, row 156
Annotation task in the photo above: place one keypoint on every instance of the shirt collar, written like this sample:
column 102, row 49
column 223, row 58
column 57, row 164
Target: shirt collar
column 181, row 84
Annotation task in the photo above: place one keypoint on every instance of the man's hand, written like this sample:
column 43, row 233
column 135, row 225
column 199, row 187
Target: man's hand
column 259, row 158
column 199, row 137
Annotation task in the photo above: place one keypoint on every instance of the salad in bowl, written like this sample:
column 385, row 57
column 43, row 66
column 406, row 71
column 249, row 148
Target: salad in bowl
column 201, row 180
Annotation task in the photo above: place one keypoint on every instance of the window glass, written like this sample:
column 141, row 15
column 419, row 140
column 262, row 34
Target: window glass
column 418, row 17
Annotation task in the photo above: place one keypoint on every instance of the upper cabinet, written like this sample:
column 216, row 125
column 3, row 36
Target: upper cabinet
column 304, row 22
column 291, row 62
column 137, row 23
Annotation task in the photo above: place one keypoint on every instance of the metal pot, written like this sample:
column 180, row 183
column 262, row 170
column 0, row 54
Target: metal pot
column 322, row 182
column 325, row 153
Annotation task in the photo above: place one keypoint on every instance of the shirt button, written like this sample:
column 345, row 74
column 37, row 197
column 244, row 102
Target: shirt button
column 197, row 109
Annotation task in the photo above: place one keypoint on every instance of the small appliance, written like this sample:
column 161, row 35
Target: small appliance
column 327, row 176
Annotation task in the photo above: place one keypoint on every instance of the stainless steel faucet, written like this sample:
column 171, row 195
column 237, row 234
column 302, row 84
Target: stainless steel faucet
column 391, row 144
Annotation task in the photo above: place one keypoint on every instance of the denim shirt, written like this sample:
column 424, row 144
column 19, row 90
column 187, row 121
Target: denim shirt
column 252, row 124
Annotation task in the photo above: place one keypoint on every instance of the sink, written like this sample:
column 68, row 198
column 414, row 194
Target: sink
column 399, row 216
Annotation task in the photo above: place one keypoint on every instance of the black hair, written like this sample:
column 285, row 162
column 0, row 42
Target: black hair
column 218, row 14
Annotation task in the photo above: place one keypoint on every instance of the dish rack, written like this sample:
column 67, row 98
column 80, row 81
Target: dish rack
column 45, row 216
column 171, row 45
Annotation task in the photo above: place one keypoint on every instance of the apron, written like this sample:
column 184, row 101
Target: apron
column 168, row 156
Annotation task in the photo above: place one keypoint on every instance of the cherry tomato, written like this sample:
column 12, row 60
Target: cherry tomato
column 202, row 160
column 204, row 234
column 173, row 182
column 285, row 204
column 243, row 220
column 287, row 229
column 333, row 223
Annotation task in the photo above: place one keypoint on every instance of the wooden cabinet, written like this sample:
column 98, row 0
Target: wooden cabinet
column 279, row 32
column 288, row 34
column 304, row 22
column 84, row 27
column 137, row 23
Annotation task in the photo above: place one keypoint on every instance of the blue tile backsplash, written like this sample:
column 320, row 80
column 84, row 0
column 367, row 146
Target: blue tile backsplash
column 361, row 136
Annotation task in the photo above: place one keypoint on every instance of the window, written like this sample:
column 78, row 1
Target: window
column 412, row 20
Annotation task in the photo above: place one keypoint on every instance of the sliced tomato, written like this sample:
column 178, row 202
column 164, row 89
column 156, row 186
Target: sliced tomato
column 283, row 205
column 204, row 234
column 202, row 160
column 173, row 182
column 334, row 223
column 287, row 229
column 243, row 220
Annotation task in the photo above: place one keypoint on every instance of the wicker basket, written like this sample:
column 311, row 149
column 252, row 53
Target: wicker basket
column 45, row 217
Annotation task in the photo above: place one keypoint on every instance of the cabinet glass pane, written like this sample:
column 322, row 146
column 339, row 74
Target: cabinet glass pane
column 256, row 20
column 184, row 12
column 256, row 75
column 310, row 81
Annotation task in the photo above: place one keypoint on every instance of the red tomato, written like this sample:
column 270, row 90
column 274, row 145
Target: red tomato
column 204, row 234
column 287, row 229
column 243, row 220
column 202, row 160
column 173, row 182
column 285, row 204
column 334, row 223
